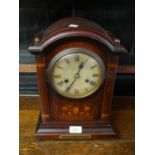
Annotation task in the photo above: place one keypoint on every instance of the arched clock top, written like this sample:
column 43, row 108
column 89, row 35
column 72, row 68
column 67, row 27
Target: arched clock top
column 73, row 27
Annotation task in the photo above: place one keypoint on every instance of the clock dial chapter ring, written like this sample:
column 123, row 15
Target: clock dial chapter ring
column 76, row 73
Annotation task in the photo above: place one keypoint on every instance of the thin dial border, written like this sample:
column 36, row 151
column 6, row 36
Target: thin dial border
column 70, row 51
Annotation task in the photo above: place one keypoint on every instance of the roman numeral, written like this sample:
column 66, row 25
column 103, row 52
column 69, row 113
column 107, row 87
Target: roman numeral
column 60, row 83
column 67, row 61
column 77, row 58
column 60, row 67
column 93, row 67
column 92, row 83
column 57, row 76
column 95, row 75
column 76, row 92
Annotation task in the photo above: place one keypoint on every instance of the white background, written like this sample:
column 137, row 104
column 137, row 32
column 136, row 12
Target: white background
column 145, row 77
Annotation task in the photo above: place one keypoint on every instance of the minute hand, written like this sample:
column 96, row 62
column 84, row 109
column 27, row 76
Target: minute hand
column 76, row 76
column 68, row 88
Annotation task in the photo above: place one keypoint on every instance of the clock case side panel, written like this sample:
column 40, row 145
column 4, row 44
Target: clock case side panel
column 109, row 88
column 43, row 88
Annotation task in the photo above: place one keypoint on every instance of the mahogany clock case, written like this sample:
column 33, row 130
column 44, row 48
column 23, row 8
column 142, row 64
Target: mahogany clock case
column 86, row 112
column 92, row 113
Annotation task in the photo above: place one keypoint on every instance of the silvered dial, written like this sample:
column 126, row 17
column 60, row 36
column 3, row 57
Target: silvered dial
column 76, row 73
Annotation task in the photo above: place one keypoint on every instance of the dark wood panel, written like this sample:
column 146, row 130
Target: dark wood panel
column 79, row 3
column 28, row 83
column 126, row 69
column 24, row 56
column 125, row 85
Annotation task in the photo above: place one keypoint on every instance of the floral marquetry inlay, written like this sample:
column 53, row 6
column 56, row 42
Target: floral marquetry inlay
column 76, row 112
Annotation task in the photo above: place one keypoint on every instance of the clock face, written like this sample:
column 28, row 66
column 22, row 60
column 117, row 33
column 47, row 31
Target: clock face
column 76, row 73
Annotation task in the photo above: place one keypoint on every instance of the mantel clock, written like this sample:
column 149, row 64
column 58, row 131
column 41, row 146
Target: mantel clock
column 76, row 63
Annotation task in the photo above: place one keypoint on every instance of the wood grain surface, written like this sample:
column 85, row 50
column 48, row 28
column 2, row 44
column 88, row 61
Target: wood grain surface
column 122, row 118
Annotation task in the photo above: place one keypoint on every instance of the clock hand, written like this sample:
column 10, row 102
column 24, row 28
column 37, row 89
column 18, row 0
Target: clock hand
column 76, row 76
column 82, row 65
column 68, row 88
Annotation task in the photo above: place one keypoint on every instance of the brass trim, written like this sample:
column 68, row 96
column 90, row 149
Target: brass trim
column 75, row 136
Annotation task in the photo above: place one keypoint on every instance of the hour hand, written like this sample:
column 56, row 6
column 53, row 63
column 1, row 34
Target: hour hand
column 81, row 65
